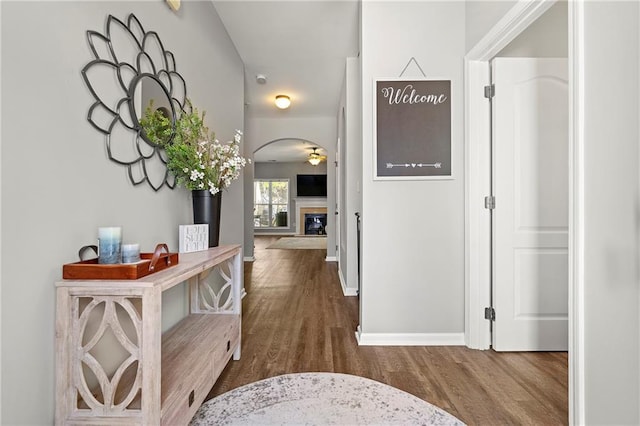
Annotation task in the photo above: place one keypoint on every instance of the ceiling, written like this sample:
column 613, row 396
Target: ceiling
column 300, row 46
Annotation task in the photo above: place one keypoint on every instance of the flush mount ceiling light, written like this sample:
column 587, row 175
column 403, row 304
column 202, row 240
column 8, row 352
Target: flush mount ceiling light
column 315, row 158
column 174, row 4
column 283, row 101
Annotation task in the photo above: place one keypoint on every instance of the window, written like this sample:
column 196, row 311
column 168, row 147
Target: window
column 270, row 203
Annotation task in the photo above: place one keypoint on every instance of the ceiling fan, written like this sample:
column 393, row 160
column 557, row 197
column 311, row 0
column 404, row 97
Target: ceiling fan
column 315, row 158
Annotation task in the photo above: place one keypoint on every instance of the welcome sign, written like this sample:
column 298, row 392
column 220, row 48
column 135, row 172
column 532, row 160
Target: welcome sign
column 413, row 129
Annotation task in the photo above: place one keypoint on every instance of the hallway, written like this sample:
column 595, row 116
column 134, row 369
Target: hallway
column 295, row 319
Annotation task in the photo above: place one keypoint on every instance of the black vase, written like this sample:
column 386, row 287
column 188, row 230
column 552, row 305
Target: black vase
column 206, row 209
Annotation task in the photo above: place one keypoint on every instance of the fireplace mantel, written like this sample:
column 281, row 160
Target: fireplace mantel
column 308, row 205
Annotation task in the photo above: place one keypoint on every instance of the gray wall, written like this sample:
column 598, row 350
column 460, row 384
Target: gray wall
column 287, row 170
column 58, row 186
column 547, row 37
column 413, row 231
column 481, row 16
column 611, row 210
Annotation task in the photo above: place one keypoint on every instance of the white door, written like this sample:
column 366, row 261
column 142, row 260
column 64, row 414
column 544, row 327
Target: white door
column 530, row 220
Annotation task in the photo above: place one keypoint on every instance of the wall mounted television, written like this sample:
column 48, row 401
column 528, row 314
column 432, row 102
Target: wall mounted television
column 311, row 185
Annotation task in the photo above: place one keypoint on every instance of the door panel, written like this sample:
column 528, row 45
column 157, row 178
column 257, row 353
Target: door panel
column 537, row 286
column 530, row 221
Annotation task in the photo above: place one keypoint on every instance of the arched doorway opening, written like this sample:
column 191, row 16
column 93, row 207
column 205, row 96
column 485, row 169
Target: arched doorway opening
column 284, row 181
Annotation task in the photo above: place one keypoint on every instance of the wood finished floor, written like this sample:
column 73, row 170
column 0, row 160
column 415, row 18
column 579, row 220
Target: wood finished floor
column 295, row 319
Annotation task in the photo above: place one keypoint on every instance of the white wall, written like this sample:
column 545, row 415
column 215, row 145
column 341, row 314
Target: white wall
column 58, row 186
column 611, row 211
column 413, row 241
column 322, row 131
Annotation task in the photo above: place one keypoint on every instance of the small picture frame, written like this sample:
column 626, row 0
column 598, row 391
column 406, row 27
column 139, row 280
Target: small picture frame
column 193, row 238
column 412, row 129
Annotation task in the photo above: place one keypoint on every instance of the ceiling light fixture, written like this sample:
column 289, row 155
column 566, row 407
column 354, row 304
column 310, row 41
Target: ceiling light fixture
column 283, row 101
column 314, row 158
column 174, row 4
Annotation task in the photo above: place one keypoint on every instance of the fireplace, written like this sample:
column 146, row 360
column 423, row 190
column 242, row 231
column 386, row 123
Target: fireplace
column 309, row 206
column 315, row 223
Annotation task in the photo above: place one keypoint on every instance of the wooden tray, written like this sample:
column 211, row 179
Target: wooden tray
column 149, row 263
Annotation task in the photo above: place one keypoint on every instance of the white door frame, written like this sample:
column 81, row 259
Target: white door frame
column 478, row 160
column 477, row 185
column 336, row 211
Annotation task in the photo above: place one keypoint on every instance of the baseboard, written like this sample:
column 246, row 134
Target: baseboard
column 346, row 290
column 409, row 339
column 331, row 259
column 249, row 259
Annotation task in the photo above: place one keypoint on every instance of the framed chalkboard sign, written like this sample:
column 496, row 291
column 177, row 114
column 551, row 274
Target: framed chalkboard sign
column 412, row 129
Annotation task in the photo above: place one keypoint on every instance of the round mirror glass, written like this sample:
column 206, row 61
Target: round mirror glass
column 152, row 110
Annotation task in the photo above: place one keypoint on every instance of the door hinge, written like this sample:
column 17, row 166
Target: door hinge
column 490, row 91
column 490, row 314
column 490, row 202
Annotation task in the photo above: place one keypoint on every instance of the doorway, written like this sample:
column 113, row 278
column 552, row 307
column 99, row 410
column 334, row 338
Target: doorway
column 510, row 37
column 478, row 182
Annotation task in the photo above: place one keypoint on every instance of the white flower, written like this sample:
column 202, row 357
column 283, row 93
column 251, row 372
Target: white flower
column 212, row 165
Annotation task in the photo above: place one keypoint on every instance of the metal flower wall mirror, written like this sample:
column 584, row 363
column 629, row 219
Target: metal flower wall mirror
column 131, row 71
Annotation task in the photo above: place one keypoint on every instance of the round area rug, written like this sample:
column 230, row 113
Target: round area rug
column 319, row 399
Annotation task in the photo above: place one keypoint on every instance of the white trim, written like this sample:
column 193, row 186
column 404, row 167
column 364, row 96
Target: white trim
column 576, row 214
column 331, row 259
column 347, row 291
column 249, row 259
column 515, row 21
column 477, row 144
column 1, row 240
column 409, row 339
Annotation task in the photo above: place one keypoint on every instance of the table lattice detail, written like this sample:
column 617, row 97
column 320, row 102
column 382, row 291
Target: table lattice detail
column 212, row 301
column 108, row 387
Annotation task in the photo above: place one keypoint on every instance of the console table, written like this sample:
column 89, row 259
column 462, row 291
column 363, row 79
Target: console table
column 113, row 363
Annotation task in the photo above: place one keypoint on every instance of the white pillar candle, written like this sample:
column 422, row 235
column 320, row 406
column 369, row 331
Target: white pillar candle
column 130, row 253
